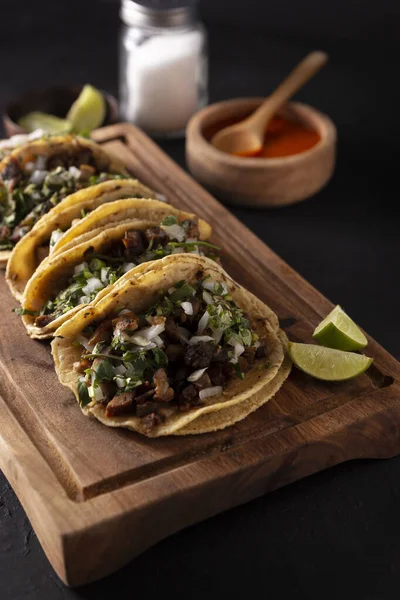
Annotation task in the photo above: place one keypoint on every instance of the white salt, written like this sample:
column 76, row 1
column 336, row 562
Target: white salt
column 163, row 79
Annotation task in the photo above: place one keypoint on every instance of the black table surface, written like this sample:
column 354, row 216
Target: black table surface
column 335, row 534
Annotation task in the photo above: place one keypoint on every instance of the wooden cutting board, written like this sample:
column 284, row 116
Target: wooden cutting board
column 97, row 497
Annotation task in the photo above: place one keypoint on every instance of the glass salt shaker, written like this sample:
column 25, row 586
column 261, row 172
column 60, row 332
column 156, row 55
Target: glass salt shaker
column 163, row 65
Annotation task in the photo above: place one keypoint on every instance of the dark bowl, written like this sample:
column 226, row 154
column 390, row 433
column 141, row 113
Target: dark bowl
column 54, row 101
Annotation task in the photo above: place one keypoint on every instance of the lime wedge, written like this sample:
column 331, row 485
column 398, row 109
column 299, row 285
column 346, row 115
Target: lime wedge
column 337, row 330
column 88, row 111
column 49, row 123
column 328, row 364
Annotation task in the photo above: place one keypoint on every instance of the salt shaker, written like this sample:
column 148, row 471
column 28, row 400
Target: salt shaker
column 163, row 65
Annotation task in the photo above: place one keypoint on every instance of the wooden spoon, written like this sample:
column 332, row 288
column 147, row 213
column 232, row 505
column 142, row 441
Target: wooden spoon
column 247, row 137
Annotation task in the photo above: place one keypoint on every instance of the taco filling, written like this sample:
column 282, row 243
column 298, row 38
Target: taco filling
column 176, row 356
column 28, row 192
column 136, row 247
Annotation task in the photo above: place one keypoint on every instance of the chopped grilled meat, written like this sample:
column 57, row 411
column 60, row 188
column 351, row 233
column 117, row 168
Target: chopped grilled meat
column 126, row 322
column 43, row 320
column 250, row 354
column 180, row 378
column 188, row 397
column 203, row 382
column 19, row 233
column 134, row 243
column 157, row 320
column 174, row 352
column 243, row 364
column 102, row 333
column 199, row 355
column 151, row 421
column 108, row 390
column 219, row 373
column 86, row 172
column 220, row 355
column 164, row 393
column 196, row 306
column 190, row 320
column 11, row 171
column 171, row 329
column 144, row 394
column 156, row 235
column 81, row 365
column 192, row 229
column 120, row 405
column 147, row 408
column 261, row 351
column 4, row 232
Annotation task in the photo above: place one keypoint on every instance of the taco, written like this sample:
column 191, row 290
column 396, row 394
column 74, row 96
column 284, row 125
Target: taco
column 38, row 175
column 41, row 239
column 146, row 231
column 180, row 349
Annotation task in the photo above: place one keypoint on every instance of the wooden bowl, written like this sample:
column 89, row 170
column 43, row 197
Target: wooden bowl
column 54, row 101
column 259, row 182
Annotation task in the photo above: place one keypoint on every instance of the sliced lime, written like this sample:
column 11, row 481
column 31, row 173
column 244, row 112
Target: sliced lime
column 337, row 330
column 48, row 123
column 328, row 364
column 88, row 111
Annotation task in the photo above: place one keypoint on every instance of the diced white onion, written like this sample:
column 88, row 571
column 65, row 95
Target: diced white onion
column 257, row 344
column 37, row 177
column 175, row 232
column 187, row 308
column 120, row 370
column 217, row 335
column 200, row 338
column 124, row 311
column 120, row 381
column 161, row 197
column 196, row 374
column 210, row 285
column 75, row 172
column 183, row 334
column 92, row 284
column 208, row 299
column 40, row 162
column 80, row 268
column 176, row 250
column 55, row 236
column 98, row 394
column 36, row 134
column 158, row 341
column 128, row 266
column 84, row 300
column 104, row 274
column 14, row 141
column 203, row 322
column 29, row 166
column 211, row 391
column 84, row 342
column 238, row 349
column 171, row 290
column 149, row 333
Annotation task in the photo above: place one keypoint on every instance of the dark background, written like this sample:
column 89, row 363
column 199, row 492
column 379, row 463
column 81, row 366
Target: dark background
column 335, row 534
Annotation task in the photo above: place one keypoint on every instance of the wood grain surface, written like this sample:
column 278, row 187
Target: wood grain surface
column 97, row 497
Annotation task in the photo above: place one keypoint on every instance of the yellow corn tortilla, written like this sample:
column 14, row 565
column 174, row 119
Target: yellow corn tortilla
column 240, row 396
column 108, row 214
column 50, row 147
column 54, row 271
column 33, row 247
